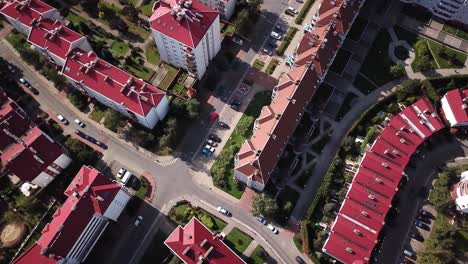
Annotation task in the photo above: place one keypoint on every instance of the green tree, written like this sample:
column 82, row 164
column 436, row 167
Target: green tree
column 243, row 21
column 329, row 208
column 33, row 58
column 265, row 205
column 193, row 107
column 81, row 152
column 397, row 70
column 78, row 99
column 113, row 120
column 407, row 88
column 207, row 221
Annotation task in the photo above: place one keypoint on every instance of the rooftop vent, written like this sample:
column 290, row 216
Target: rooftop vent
column 349, row 250
column 378, row 180
column 364, row 213
column 384, row 164
column 357, row 232
column 371, row 196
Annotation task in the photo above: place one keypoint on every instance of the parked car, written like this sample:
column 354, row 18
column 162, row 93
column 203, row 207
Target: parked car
column 275, row 35
column 235, row 102
column 421, row 225
column 300, row 1
column 223, row 125
column 223, row 211
column 81, row 134
column 424, row 219
column 24, row 82
column 291, row 11
column 102, row 145
column 121, row 173
column 409, row 254
column 214, row 137
column 261, row 220
column 211, row 143
column 279, row 29
column 78, row 122
column 138, row 220
column 267, row 52
column 207, row 152
column 209, row 148
column 272, row 44
column 273, row 229
column 235, row 107
column 417, row 236
column 300, row 260
column 425, row 213
column 62, row 119
column 238, row 41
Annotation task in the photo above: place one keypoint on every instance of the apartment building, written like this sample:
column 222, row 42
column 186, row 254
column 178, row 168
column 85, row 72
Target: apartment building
column 455, row 107
column 450, row 10
column 226, row 8
column 187, row 34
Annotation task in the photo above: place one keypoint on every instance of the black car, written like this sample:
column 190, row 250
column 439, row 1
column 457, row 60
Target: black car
column 300, row 260
column 235, row 102
column 417, row 237
column 424, row 219
column 102, row 145
column 215, row 138
column 235, row 107
column 425, row 213
column 81, row 134
column 223, row 125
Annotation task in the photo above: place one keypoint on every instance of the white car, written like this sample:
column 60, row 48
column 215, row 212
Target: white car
column 223, row 211
column 238, row 41
column 78, row 122
column 209, row 148
column 138, row 220
column 62, row 119
column 292, row 11
column 275, row 35
column 211, row 143
column 121, row 173
column 273, row 229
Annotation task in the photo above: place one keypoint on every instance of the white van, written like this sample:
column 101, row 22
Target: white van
column 409, row 254
column 126, row 177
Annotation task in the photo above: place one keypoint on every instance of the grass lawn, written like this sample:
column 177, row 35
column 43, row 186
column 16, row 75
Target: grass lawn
column 224, row 164
column 147, row 9
column 258, row 64
column 238, row 240
column 97, row 114
column 462, row 241
column 363, row 85
column 76, row 19
column 119, row 48
column 259, row 256
column 17, row 40
column 345, row 106
column 340, row 61
column 182, row 213
column 456, row 30
column 152, row 54
column 272, row 66
column 377, row 64
column 171, row 74
column 134, row 2
column 141, row 193
column 137, row 69
column 357, row 29
column 229, row 30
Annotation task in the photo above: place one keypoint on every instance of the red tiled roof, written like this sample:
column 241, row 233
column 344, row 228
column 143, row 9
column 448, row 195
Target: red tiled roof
column 385, row 161
column 190, row 30
column 53, row 36
column 33, row 255
column 454, row 106
column 12, row 120
column 111, row 82
column 194, row 242
column 25, row 11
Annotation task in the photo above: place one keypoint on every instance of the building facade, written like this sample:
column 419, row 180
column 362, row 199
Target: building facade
column 461, row 193
column 93, row 202
column 187, row 34
column 455, row 107
column 226, row 8
column 450, row 10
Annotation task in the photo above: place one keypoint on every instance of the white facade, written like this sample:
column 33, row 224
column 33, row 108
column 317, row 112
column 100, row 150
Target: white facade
column 45, row 177
column 452, row 10
column 225, row 7
column 448, row 112
column 248, row 181
column 462, row 193
column 194, row 60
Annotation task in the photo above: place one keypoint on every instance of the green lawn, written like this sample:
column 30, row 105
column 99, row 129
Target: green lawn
column 97, row 114
column 223, row 167
column 229, row 30
column 171, row 74
column 357, row 29
column 146, row 9
column 456, row 30
column 76, row 19
column 152, row 54
column 238, row 240
column 341, row 59
column 134, row 2
column 183, row 213
column 119, row 48
column 259, row 256
column 137, row 69
column 17, row 40
column 258, row 64
column 363, row 85
column 141, row 193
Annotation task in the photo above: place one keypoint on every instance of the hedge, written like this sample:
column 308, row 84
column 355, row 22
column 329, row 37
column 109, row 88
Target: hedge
column 367, row 138
column 303, row 13
column 272, row 66
column 286, row 41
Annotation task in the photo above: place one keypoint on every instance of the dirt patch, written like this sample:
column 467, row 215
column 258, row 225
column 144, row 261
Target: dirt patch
column 12, row 234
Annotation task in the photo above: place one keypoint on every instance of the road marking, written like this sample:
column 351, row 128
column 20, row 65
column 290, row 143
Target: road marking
column 166, row 163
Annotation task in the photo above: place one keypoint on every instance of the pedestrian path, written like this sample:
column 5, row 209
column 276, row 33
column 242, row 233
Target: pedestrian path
column 249, row 250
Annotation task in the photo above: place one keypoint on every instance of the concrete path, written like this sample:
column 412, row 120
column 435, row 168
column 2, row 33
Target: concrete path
column 249, row 250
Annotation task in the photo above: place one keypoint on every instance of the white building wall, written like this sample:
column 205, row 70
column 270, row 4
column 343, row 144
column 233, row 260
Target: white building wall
column 118, row 205
column 229, row 6
column 82, row 44
column 49, row 55
column 162, row 108
column 229, row 9
column 252, row 184
column 20, row 27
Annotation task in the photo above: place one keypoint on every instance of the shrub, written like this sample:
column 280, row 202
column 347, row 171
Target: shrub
column 207, row 221
column 287, row 39
column 303, row 13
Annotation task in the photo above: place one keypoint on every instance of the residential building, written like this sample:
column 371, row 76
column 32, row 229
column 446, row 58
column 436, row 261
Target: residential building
column 23, row 14
column 93, row 201
column 226, row 8
column 26, row 151
column 115, row 88
column 362, row 215
column 187, row 34
column 257, row 159
column 56, row 41
column 195, row 244
column 461, row 193
column 455, row 107
column 451, row 10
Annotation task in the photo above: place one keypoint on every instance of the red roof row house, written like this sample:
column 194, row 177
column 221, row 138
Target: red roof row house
column 258, row 156
column 26, row 151
column 370, row 196
column 455, row 107
column 77, row 225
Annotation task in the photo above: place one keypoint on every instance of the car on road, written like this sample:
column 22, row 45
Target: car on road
column 211, row 143
column 273, row 229
column 261, row 220
column 102, row 145
column 214, row 137
column 291, row 11
column 24, row 82
column 207, row 152
column 238, row 41
column 275, row 35
column 421, row 225
column 121, row 173
column 209, row 148
column 83, row 135
column 300, row 260
column 138, row 220
column 223, row 125
column 78, row 122
column 223, row 211
column 417, row 236
column 62, row 119
column 267, row 52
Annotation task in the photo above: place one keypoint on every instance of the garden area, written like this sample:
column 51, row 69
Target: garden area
column 456, row 30
column 169, row 78
column 258, row 64
column 183, row 212
column 258, row 256
column 152, row 54
column 272, row 66
column 222, row 170
column 238, row 240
